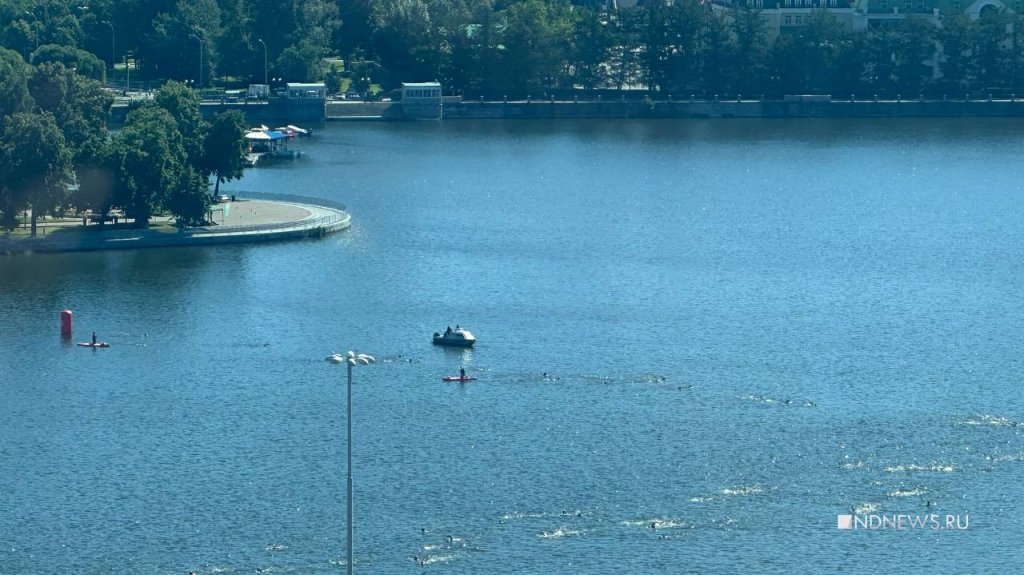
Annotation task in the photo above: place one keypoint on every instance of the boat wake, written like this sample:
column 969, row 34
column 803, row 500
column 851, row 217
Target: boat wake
column 431, row 559
column 772, row 400
column 559, row 533
column 275, row 547
column 1004, row 457
column 539, row 515
column 743, row 491
column 908, row 492
column 934, row 467
column 656, row 523
column 986, row 419
column 866, row 508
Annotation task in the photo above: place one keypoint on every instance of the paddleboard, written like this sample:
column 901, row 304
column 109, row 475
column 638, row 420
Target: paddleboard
column 97, row 344
column 457, row 378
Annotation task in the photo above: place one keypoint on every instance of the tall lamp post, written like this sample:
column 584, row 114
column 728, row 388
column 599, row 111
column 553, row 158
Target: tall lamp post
column 260, row 40
column 112, row 51
column 350, row 359
column 200, row 42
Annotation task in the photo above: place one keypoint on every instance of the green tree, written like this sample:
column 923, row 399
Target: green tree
column 35, row 166
column 405, row 41
column 957, row 60
column 785, row 73
column 355, row 32
column 80, row 107
column 591, row 48
column 536, row 39
column 914, row 43
column 97, row 177
column 749, row 28
column 181, row 40
column 224, row 148
column 188, row 202
column 717, row 54
column 240, row 53
column 675, row 46
column 85, row 63
column 183, row 103
column 851, row 65
column 299, row 63
column 993, row 49
column 151, row 162
column 820, row 43
column 14, row 75
column 626, row 64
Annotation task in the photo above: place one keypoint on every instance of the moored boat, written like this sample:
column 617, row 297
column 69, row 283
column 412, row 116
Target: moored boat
column 457, row 337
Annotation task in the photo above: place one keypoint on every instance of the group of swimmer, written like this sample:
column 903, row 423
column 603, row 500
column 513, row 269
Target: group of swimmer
column 450, row 543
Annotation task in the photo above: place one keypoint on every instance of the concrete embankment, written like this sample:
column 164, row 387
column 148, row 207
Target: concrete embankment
column 546, row 109
column 246, row 221
column 736, row 109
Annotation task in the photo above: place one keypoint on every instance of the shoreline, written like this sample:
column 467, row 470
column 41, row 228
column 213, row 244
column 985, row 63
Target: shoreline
column 681, row 108
column 278, row 218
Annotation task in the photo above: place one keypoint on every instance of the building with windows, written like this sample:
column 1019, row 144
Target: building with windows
column 422, row 100
column 305, row 101
column 781, row 15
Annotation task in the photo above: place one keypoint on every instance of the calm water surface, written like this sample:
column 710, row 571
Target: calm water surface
column 749, row 327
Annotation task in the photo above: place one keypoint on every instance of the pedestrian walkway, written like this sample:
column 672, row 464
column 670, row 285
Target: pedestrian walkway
column 259, row 212
column 244, row 220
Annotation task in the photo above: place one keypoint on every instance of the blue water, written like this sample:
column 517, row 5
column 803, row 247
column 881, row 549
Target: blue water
column 748, row 328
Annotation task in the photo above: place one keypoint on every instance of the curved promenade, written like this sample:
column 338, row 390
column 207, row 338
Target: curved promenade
column 256, row 218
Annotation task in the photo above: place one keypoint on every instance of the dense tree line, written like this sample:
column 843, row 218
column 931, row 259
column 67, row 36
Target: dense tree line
column 56, row 153
column 518, row 47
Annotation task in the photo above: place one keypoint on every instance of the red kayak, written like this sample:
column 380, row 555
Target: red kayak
column 97, row 344
column 457, row 378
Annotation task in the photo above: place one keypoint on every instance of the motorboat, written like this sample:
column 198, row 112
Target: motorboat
column 457, row 337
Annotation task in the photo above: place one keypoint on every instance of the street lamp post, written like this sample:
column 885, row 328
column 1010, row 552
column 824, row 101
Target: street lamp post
column 260, row 40
column 200, row 42
column 112, row 51
column 350, row 359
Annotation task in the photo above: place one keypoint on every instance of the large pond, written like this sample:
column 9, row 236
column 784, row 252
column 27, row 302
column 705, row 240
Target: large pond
column 699, row 343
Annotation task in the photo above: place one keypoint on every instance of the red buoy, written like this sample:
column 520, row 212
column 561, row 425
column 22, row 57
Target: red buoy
column 65, row 323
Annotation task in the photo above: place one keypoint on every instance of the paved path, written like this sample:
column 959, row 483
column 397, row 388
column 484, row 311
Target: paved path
column 259, row 212
column 246, row 221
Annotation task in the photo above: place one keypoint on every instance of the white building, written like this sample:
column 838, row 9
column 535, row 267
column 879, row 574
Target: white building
column 422, row 101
